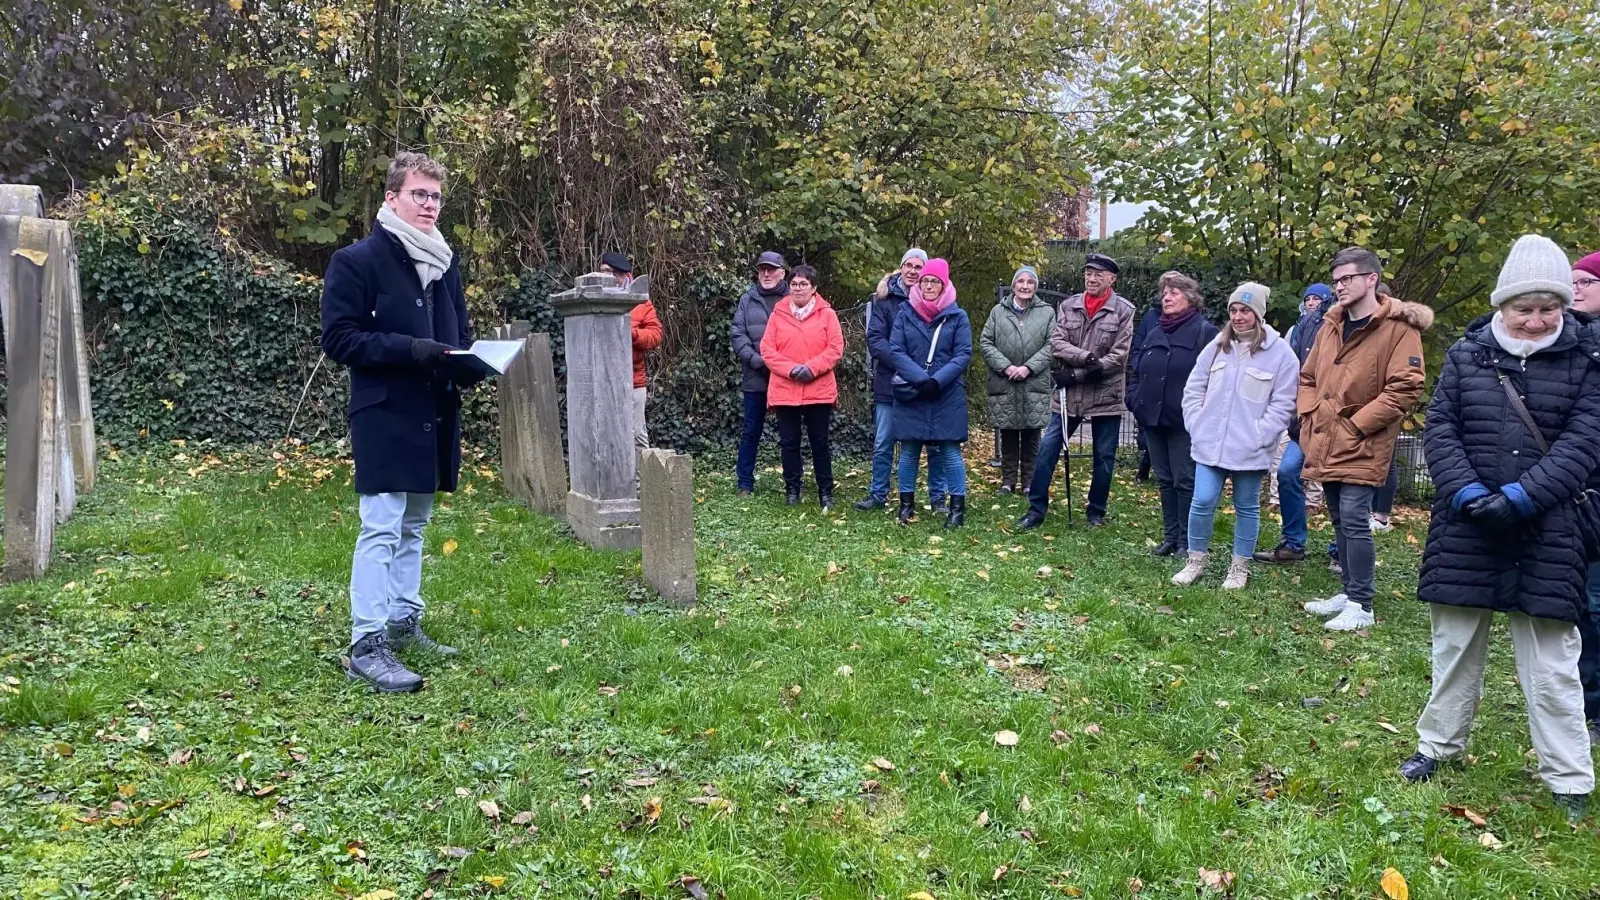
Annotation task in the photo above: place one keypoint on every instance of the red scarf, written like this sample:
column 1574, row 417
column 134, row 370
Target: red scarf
column 1092, row 304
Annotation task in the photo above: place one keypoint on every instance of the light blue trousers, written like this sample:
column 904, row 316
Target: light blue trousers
column 386, row 573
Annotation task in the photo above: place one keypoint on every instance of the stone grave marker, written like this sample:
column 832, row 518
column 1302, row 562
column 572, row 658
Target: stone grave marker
column 666, row 482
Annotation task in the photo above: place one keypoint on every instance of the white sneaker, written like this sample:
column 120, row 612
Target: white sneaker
column 1379, row 526
column 1353, row 618
column 1328, row 607
column 1192, row 570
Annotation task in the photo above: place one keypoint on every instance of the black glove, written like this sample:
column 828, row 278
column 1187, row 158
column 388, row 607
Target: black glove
column 1294, row 428
column 928, row 389
column 801, row 374
column 426, row 350
column 1493, row 512
column 1094, row 372
column 1066, row 378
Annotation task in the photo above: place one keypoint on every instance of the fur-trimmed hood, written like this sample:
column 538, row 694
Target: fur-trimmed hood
column 1416, row 315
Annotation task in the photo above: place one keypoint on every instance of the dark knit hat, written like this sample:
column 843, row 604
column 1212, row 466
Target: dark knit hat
column 617, row 262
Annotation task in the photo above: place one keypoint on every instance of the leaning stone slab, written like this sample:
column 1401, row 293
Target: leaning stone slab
column 666, row 485
column 16, row 200
column 539, row 412
column 31, row 375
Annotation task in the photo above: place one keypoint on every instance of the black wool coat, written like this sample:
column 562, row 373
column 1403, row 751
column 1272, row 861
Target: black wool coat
column 1474, row 435
column 405, row 416
column 1161, row 367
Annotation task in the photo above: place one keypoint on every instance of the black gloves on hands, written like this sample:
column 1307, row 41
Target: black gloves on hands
column 1066, row 378
column 1094, row 372
column 1494, row 512
column 425, row 350
column 928, row 389
column 802, row 374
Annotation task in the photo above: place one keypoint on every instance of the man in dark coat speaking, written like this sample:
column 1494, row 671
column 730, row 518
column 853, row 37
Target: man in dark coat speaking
column 392, row 306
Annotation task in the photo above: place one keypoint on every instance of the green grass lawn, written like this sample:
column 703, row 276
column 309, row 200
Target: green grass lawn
column 175, row 722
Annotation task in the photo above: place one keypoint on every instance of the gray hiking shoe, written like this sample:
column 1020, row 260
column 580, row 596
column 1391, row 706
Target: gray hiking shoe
column 408, row 632
column 372, row 661
column 1572, row 804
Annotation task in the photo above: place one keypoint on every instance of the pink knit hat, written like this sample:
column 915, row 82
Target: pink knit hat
column 1590, row 264
column 939, row 268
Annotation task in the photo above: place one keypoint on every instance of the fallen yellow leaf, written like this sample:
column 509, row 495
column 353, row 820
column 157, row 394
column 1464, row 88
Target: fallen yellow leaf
column 380, row 894
column 449, row 547
column 920, row 895
column 1394, row 885
column 494, row 881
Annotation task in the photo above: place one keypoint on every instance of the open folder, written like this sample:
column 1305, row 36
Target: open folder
column 488, row 357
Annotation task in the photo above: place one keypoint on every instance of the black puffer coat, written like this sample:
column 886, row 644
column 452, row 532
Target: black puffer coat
column 1474, row 436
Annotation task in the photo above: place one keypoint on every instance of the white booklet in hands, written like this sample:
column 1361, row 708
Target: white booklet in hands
column 496, row 355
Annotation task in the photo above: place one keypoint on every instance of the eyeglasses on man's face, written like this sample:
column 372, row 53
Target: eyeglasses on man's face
column 1346, row 280
column 423, row 197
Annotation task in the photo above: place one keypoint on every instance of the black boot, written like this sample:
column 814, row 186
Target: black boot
column 826, row 499
column 958, row 511
column 908, row 507
column 791, row 497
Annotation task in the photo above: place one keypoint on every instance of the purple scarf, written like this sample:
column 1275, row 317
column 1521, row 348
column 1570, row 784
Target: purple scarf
column 1169, row 324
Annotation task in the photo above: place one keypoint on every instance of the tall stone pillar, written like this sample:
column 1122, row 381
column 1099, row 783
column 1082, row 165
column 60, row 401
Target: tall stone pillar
column 603, row 503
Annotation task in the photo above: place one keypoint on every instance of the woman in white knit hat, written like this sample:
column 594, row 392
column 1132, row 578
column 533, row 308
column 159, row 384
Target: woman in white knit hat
column 1236, row 405
column 1512, row 438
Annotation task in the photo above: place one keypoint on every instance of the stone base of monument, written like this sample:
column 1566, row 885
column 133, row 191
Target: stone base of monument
column 609, row 524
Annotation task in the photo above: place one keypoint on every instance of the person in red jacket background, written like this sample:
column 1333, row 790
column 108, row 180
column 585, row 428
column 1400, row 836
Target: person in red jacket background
column 802, row 344
column 646, row 328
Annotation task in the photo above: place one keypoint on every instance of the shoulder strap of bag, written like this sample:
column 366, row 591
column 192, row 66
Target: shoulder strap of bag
column 933, row 344
column 1523, row 414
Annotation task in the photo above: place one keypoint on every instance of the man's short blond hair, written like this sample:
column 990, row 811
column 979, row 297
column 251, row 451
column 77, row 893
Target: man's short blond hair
column 405, row 163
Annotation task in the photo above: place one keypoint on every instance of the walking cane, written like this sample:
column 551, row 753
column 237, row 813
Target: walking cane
column 1066, row 455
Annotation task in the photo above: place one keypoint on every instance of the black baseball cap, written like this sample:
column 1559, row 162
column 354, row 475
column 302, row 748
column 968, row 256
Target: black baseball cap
column 617, row 262
column 771, row 258
column 1101, row 261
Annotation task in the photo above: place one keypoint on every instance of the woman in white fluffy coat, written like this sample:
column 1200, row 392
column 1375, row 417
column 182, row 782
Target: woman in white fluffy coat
column 1236, row 404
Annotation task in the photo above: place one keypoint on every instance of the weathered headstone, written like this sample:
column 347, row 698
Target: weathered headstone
column 544, row 464
column 513, row 450
column 603, row 503
column 32, row 366
column 666, row 485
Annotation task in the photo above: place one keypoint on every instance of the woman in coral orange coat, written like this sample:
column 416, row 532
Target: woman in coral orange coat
column 802, row 345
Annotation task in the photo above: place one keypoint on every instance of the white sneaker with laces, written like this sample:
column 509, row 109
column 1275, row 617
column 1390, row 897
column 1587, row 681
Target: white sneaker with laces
column 1353, row 618
column 1328, row 607
column 1379, row 526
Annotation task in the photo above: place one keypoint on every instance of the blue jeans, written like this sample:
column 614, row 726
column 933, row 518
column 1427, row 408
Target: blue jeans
column 1292, row 496
column 946, row 468
column 386, row 571
column 755, row 417
column 1105, row 433
column 1208, row 481
column 1589, row 660
column 882, row 451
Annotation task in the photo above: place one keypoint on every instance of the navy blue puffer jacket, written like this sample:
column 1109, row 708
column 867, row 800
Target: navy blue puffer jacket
column 1475, row 436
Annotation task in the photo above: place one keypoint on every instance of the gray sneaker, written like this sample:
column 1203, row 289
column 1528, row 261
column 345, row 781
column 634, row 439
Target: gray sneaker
column 408, row 632
column 372, row 661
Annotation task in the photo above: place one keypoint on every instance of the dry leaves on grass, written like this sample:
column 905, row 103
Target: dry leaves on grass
column 1006, row 738
column 490, row 809
column 882, row 765
column 1488, row 841
column 1461, row 812
column 1216, row 880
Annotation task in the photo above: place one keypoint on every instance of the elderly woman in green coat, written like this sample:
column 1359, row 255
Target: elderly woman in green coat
column 1015, row 344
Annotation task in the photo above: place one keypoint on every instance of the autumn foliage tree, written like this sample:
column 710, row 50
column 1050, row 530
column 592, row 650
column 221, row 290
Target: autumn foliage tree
column 1272, row 132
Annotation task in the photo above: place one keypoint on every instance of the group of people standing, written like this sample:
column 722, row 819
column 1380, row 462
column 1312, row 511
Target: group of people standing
column 919, row 343
column 1512, row 436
